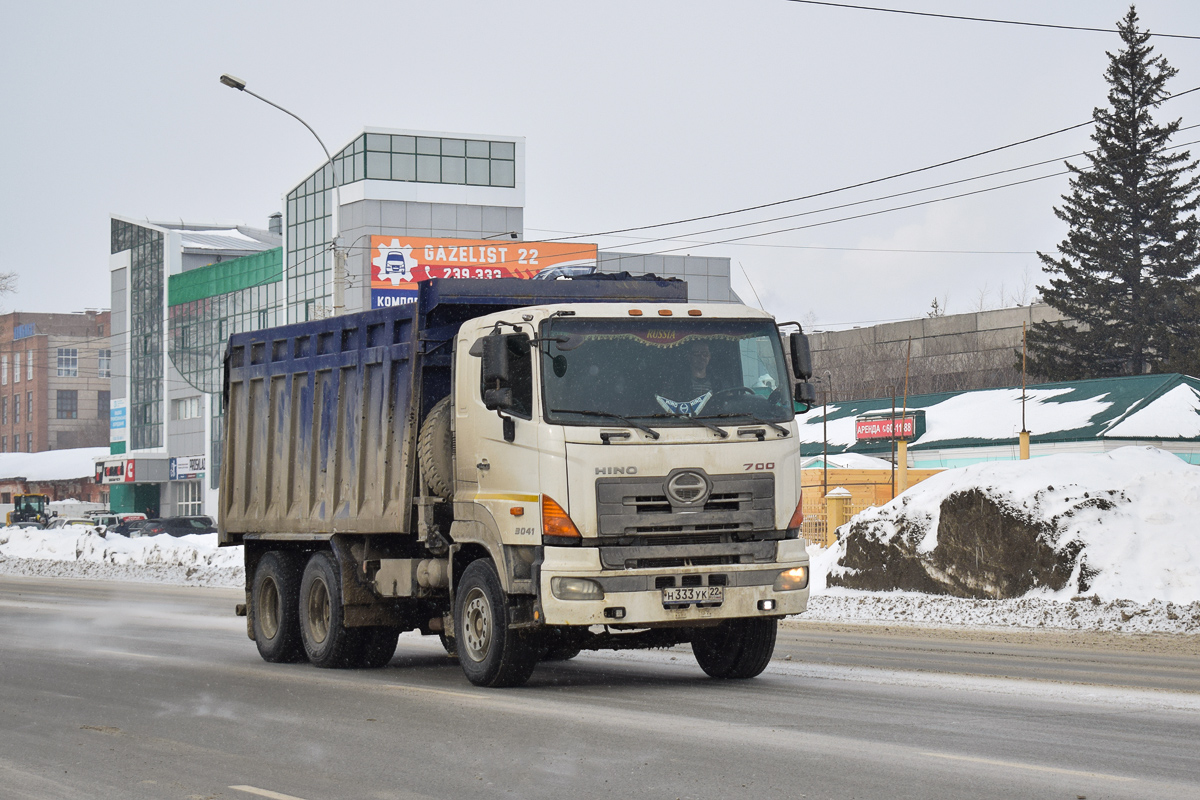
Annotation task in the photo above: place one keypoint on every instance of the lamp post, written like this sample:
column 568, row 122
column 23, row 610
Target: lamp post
column 339, row 253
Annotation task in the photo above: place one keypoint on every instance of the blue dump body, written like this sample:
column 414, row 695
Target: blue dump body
column 322, row 416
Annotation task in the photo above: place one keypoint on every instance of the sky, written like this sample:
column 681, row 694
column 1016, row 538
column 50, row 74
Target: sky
column 634, row 113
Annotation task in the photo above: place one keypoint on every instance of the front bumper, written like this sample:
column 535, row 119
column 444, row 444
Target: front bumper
column 635, row 590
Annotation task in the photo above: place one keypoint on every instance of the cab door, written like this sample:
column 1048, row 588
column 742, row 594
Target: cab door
column 497, row 450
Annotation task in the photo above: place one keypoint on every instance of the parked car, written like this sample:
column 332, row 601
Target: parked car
column 70, row 522
column 131, row 527
column 176, row 526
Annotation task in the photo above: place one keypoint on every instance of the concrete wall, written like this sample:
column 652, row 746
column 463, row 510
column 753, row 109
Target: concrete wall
column 949, row 353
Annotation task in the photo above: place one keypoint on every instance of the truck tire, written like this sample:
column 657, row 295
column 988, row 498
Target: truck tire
column 737, row 648
column 376, row 648
column 327, row 641
column 491, row 653
column 275, row 607
column 449, row 645
column 434, row 449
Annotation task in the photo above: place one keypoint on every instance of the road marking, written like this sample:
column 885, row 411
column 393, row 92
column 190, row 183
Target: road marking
column 1033, row 767
column 264, row 793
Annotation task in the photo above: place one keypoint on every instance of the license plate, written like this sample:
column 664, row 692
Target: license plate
column 685, row 595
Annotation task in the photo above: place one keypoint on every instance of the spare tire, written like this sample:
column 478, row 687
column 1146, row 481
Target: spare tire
column 434, row 449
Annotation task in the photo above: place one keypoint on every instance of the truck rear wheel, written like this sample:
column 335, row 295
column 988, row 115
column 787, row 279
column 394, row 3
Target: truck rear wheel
column 275, row 607
column 737, row 648
column 490, row 652
column 327, row 641
column 434, row 449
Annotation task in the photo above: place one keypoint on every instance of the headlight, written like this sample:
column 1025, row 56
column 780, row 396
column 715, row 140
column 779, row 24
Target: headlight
column 792, row 579
column 576, row 589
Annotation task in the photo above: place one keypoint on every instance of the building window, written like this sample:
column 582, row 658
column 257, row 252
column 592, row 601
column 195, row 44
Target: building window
column 103, row 404
column 16, row 409
column 5, row 497
column 4, row 449
column 186, row 408
column 105, row 367
column 190, row 498
column 16, row 367
column 29, row 406
column 68, row 362
column 3, row 370
column 29, row 443
column 29, row 364
column 3, row 410
column 68, row 404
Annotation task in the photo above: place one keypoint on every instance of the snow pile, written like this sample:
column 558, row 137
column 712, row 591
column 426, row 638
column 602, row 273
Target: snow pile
column 1130, row 514
column 79, row 552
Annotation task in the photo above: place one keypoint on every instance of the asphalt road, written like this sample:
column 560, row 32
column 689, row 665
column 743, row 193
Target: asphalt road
column 141, row 691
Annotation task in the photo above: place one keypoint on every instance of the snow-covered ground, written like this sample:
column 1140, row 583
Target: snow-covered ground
column 1145, row 548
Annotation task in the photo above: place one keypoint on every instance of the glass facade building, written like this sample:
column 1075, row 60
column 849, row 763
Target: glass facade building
column 206, row 307
column 146, row 285
column 377, row 156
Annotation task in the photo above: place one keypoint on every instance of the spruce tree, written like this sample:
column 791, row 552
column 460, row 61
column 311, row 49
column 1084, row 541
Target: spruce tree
column 1126, row 275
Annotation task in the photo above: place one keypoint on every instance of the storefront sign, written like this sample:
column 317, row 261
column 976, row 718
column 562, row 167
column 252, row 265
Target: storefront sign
column 117, row 430
column 399, row 263
column 876, row 426
column 110, row 471
column 186, row 468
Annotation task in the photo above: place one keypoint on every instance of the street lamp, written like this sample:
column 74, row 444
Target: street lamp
column 339, row 254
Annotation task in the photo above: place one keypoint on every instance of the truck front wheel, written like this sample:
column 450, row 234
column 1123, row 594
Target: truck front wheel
column 490, row 652
column 275, row 607
column 737, row 648
column 327, row 641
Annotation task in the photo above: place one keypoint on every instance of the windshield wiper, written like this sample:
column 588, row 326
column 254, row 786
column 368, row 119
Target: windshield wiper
column 724, row 434
column 782, row 430
column 653, row 434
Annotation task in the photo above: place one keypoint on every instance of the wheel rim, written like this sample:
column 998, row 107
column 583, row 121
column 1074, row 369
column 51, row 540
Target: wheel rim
column 477, row 625
column 268, row 608
column 319, row 610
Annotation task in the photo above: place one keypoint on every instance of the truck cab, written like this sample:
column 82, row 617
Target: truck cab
column 647, row 451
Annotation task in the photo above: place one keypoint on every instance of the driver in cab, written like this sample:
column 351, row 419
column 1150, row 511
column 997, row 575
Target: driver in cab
column 689, row 393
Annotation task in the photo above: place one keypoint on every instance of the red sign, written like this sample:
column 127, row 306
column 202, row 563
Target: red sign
column 905, row 428
column 129, row 471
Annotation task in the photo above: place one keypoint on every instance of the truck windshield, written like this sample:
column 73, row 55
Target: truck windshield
column 663, row 372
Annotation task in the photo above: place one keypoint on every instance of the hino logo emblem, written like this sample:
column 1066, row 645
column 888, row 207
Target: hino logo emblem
column 616, row 470
column 687, row 487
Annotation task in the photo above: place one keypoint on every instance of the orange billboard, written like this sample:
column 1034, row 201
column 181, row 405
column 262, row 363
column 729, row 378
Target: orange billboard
column 399, row 263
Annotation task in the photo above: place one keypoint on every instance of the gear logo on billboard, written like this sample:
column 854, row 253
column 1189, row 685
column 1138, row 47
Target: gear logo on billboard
column 398, row 264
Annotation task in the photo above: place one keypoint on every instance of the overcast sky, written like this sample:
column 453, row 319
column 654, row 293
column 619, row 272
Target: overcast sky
column 634, row 113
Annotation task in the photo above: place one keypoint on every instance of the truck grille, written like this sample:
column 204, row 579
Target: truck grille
column 639, row 506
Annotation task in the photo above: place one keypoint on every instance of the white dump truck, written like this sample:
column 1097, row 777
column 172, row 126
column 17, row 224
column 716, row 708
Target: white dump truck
column 527, row 469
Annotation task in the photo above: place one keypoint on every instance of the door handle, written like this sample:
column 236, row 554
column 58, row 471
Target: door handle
column 483, row 464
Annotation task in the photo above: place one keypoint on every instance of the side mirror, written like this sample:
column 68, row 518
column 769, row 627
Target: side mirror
column 495, row 359
column 805, row 394
column 801, row 356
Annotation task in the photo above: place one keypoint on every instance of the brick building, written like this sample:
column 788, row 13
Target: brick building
column 55, row 374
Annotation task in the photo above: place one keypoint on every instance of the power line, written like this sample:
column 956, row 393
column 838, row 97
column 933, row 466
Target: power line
column 983, row 19
column 859, row 184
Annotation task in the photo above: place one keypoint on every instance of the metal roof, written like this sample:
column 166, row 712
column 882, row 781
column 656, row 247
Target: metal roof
column 1137, row 408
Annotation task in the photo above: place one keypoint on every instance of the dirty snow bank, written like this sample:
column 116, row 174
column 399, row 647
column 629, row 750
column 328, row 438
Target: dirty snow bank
column 82, row 553
column 1130, row 515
